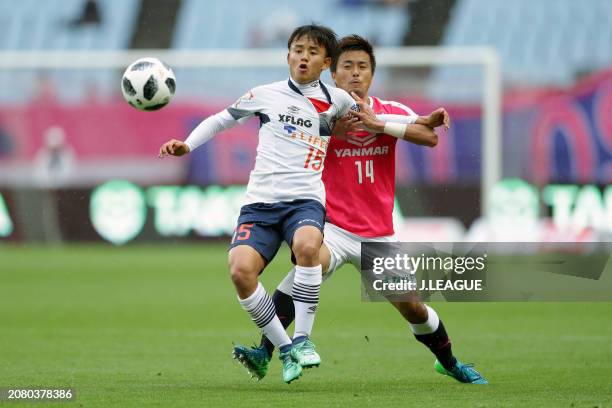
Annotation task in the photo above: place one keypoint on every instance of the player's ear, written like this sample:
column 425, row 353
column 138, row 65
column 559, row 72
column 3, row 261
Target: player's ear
column 326, row 63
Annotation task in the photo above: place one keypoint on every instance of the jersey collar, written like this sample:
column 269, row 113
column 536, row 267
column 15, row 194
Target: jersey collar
column 323, row 88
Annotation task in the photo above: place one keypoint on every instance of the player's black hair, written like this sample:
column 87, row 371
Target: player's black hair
column 353, row 43
column 321, row 35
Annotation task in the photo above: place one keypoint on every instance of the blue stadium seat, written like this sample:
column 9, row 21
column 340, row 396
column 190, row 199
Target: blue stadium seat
column 543, row 42
column 43, row 25
column 267, row 23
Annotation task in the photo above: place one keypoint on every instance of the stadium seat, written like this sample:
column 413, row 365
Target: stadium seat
column 238, row 24
column 45, row 25
column 542, row 43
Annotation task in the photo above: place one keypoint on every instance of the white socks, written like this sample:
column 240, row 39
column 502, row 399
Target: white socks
column 259, row 305
column 430, row 326
column 305, row 294
column 286, row 285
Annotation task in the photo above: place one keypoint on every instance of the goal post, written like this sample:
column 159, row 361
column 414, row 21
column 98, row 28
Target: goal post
column 394, row 57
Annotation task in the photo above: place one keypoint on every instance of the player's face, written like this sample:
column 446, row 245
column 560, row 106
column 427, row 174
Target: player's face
column 354, row 72
column 306, row 60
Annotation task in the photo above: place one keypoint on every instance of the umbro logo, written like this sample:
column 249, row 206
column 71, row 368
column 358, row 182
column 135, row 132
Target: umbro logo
column 312, row 309
column 293, row 109
column 315, row 84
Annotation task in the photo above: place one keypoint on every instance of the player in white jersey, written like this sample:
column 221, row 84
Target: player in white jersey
column 285, row 196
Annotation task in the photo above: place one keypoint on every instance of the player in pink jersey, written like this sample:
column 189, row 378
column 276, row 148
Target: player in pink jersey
column 362, row 167
column 359, row 179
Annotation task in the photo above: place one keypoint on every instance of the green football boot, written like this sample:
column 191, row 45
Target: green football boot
column 291, row 369
column 303, row 351
column 464, row 373
column 255, row 359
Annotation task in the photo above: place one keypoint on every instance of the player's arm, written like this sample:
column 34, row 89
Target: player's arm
column 439, row 117
column 244, row 108
column 349, row 105
column 414, row 133
column 205, row 131
column 344, row 126
column 351, row 123
column 409, row 130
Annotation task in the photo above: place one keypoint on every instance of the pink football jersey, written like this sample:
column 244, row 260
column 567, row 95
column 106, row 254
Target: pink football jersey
column 359, row 178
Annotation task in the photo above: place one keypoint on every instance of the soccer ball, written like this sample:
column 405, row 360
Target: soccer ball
column 148, row 84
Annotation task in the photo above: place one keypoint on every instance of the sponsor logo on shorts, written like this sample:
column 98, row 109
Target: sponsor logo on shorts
column 309, row 221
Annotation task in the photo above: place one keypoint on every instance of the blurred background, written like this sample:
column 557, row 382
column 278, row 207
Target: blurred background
column 78, row 164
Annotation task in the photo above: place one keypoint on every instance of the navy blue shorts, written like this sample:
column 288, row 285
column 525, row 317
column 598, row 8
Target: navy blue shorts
column 264, row 226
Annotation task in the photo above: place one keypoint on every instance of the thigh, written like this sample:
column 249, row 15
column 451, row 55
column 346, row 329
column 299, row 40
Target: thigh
column 264, row 239
column 247, row 260
column 355, row 254
column 340, row 245
column 326, row 258
column 303, row 213
column 258, row 228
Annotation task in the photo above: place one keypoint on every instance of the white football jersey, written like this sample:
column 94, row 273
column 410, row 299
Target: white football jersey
column 295, row 127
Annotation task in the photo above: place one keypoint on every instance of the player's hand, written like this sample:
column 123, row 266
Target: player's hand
column 367, row 118
column 344, row 126
column 173, row 148
column 439, row 117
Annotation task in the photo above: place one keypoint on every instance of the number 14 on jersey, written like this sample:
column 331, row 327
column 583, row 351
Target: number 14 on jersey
column 368, row 169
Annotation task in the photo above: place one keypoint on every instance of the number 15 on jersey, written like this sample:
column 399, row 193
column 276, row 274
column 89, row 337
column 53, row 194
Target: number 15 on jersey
column 368, row 169
column 314, row 160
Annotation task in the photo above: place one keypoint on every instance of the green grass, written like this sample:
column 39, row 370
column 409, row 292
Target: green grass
column 154, row 326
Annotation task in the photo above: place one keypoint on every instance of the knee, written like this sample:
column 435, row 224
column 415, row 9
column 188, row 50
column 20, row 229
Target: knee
column 241, row 273
column 307, row 250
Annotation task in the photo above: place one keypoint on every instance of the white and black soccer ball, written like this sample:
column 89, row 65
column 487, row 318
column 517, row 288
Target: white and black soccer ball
column 148, row 84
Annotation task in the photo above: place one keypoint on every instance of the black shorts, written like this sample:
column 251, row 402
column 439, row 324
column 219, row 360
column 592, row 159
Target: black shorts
column 264, row 226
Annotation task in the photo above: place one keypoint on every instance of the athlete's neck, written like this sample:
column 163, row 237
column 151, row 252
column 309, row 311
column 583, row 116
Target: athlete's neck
column 310, row 90
column 364, row 97
column 306, row 84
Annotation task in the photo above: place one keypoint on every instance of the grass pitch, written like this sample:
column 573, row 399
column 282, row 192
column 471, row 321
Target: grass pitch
column 154, row 326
